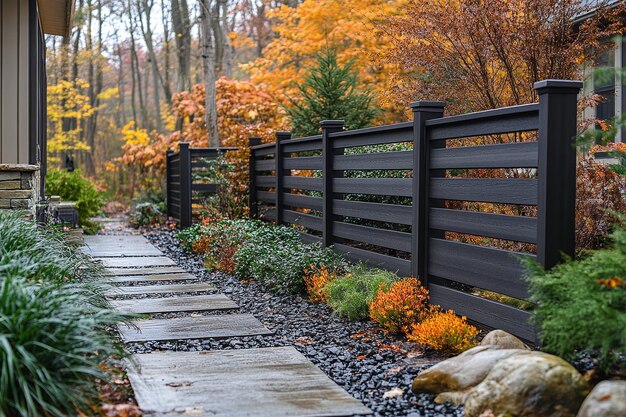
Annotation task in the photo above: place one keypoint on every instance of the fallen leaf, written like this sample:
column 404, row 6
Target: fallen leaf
column 304, row 341
column 361, row 357
column 394, row 392
column 395, row 370
column 179, row 384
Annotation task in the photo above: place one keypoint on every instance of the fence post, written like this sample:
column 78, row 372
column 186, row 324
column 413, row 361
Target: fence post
column 185, row 185
column 422, row 111
column 328, row 127
column 280, row 173
column 252, row 201
column 556, row 200
column 168, row 182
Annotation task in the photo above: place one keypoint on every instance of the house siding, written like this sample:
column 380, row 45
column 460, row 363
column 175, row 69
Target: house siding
column 14, row 85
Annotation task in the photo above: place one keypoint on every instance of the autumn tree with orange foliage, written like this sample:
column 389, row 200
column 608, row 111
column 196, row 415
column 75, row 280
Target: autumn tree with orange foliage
column 483, row 54
column 352, row 26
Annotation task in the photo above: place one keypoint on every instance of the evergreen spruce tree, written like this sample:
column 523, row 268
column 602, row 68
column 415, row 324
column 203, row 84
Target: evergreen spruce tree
column 329, row 92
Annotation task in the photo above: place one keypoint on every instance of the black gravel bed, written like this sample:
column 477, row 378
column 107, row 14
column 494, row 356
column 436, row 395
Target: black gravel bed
column 356, row 355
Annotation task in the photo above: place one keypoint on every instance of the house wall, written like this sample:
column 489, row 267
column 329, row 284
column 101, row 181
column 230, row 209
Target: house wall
column 14, row 86
column 19, row 170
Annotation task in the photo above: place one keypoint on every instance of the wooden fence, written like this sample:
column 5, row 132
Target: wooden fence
column 427, row 201
column 184, row 189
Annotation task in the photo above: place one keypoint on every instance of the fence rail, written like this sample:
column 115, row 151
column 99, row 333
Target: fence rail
column 414, row 206
column 184, row 189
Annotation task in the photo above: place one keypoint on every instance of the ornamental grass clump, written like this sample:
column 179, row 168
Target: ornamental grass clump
column 444, row 332
column 53, row 321
column 581, row 304
column 349, row 295
column 400, row 305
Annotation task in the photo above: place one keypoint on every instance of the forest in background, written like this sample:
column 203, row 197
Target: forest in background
column 135, row 76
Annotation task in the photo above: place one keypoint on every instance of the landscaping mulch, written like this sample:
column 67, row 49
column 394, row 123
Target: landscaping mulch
column 358, row 356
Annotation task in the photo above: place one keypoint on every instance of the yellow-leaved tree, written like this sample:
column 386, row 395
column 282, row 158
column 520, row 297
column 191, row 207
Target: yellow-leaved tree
column 352, row 27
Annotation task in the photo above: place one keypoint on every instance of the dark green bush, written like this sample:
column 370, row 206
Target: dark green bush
column 72, row 186
column 276, row 257
column 52, row 321
column 146, row 214
column 582, row 304
column 350, row 295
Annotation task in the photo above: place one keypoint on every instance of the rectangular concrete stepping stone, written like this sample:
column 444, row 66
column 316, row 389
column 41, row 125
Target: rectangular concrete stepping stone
column 159, row 289
column 136, row 261
column 261, row 382
column 201, row 327
column 116, row 246
column 152, row 278
column 175, row 304
column 145, row 271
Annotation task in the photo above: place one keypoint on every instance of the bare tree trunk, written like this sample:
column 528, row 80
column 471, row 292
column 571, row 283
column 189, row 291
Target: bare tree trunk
column 208, row 55
column 167, row 83
column 182, row 27
column 135, row 67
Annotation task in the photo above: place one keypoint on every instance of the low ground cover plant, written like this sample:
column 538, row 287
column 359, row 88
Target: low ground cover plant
column 581, row 304
column 72, row 186
column 400, row 305
column 443, row 331
column 316, row 281
column 52, row 324
column 349, row 295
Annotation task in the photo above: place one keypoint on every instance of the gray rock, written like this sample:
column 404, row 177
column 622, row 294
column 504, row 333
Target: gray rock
column 607, row 399
column 503, row 340
column 461, row 372
column 531, row 384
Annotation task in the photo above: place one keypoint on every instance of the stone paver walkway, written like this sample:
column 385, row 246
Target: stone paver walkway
column 265, row 382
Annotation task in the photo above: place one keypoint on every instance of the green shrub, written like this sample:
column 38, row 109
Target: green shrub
column 277, row 258
column 350, row 295
column 582, row 304
column 72, row 186
column 146, row 214
column 52, row 321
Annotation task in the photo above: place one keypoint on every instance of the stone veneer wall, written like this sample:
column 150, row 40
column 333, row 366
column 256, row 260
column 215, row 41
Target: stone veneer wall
column 19, row 187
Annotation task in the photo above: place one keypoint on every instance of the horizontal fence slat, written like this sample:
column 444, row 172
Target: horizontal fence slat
column 401, row 132
column 303, row 183
column 270, row 214
column 304, row 162
column 400, row 266
column 506, row 155
column 309, row 238
column 489, row 190
column 481, row 310
column 266, row 196
column 207, row 188
column 400, row 187
column 265, row 165
column 307, row 220
column 368, row 161
column 380, row 237
column 483, row 267
column 303, row 201
column 393, row 213
column 491, row 122
column 499, row 226
column 269, row 149
column 265, row 181
column 302, row 147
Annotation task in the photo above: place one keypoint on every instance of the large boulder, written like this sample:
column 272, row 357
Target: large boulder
column 503, row 340
column 533, row 384
column 607, row 399
column 461, row 372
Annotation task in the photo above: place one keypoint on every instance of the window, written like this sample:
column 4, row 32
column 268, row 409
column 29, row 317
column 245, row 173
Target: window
column 604, row 84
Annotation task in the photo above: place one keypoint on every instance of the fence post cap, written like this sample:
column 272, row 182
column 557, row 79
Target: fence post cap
column 184, row 144
column 283, row 136
column 427, row 105
column 331, row 123
column 254, row 141
column 563, row 85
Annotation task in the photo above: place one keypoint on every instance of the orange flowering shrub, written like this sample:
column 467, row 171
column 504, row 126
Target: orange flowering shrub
column 403, row 304
column 316, row 281
column 444, row 331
